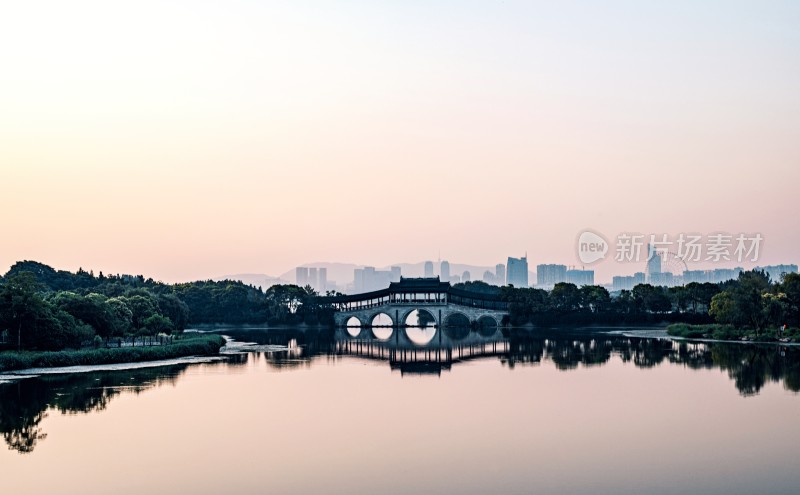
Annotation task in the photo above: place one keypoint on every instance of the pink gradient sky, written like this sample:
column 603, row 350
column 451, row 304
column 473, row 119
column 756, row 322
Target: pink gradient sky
column 184, row 140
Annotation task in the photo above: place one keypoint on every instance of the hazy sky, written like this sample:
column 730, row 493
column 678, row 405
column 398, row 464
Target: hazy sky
column 186, row 140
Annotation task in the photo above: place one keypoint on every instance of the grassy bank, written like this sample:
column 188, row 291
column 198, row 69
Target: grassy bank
column 188, row 345
column 728, row 332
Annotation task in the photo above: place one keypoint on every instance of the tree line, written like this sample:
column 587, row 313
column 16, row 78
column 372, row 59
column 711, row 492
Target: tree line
column 751, row 302
column 567, row 303
column 755, row 302
column 45, row 309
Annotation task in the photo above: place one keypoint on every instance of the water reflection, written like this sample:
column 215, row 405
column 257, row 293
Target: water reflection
column 750, row 367
column 382, row 333
column 421, row 335
column 420, row 318
column 25, row 404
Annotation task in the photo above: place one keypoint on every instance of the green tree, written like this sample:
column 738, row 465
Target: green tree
column 790, row 285
column 565, row 297
column 743, row 302
column 775, row 308
column 122, row 315
column 20, row 304
column 595, row 297
column 91, row 309
column 651, row 299
column 176, row 310
column 142, row 308
column 680, row 297
column 625, row 303
column 723, row 309
column 156, row 323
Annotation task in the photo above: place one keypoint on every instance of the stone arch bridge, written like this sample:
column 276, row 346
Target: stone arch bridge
column 419, row 302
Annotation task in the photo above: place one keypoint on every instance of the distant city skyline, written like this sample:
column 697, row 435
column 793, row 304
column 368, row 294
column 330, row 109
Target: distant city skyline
column 540, row 278
column 368, row 278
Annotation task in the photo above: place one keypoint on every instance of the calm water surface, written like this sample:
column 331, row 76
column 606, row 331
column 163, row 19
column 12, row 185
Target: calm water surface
column 521, row 412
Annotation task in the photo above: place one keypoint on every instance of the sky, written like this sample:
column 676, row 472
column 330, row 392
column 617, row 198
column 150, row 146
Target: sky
column 187, row 140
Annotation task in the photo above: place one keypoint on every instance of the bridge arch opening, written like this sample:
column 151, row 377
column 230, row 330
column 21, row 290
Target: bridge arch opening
column 353, row 325
column 381, row 320
column 382, row 326
column 457, row 320
column 382, row 333
column 421, row 335
column 457, row 326
column 487, row 326
column 420, row 318
column 420, row 326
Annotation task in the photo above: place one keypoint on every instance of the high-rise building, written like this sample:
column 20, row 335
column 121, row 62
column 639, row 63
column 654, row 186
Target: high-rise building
column 358, row 280
column 517, row 274
column 489, row 277
column 549, row 275
column 444, row 270
column 714, row 276
column 500, row 274
column 653, row 263
column 369, row 279
column 429, row 269
column 580, row 277
column 722, row 274
column 313, row 281
column 776, row 271
column 395, row 273
column 627, row 282
column 301, row 276
column 667, row 279
column 322, row 280
column 699, row 276
column 619, row 282
column 466, row 276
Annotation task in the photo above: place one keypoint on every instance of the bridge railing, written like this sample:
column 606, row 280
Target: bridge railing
column 479, row 303
column 384, row 297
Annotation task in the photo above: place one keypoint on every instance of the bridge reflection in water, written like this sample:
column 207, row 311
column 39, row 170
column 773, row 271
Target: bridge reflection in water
column 421, row 350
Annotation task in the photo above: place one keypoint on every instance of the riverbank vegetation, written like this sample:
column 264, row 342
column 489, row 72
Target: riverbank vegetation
column 751, row 307
column 196, row 344
column 44, row 309
column 568, row 304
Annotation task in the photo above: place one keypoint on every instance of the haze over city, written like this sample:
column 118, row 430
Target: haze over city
column 259, row 137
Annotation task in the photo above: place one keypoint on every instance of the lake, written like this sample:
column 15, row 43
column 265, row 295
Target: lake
column 541, row 411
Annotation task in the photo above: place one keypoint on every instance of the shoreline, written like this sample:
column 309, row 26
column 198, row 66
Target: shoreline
column 197, row 345
column 14, row 375
column 721, row 341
